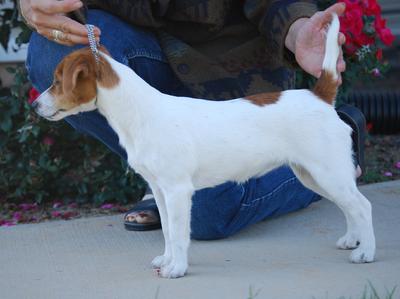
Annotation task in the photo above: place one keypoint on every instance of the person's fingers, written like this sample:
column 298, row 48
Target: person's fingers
column 337, row 8
column 63, row 38
column 67, row 25
column 54, row 7
column 72, row 32
column 341, row 65
column 339, row 81
column 342, row 39
column 323, row 18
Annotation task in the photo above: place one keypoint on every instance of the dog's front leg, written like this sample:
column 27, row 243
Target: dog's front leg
column 162, row 260
column 178, row 204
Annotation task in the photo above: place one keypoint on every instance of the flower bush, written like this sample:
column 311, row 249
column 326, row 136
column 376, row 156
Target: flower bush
column 366, row 35
column 38, row 158
column 46, row 164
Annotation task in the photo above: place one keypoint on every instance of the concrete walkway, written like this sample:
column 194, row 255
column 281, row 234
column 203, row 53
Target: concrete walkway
column 289, row 257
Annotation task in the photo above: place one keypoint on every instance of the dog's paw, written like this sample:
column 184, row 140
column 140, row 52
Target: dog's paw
column 173, row 270
column 160, row 261
column 348, row 241
column 362, row 255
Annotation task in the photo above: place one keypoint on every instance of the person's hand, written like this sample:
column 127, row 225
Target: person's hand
column 306, row 39
column 48, row 18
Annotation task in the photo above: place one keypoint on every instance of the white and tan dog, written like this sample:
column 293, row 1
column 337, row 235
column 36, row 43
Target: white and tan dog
column 181, row 144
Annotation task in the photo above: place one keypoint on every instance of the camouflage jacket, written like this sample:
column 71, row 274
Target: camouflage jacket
column 220, row 49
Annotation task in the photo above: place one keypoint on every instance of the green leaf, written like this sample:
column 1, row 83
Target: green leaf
column 11, row 70
column 4, row 36
column 24, row 36
column 6, row 124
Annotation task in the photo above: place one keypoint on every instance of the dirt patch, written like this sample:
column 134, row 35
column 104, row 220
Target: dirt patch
column 382, row 159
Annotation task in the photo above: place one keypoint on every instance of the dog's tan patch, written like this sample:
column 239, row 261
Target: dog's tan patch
column 106, row 76
column 326, row 87
column 76, row 78
column 265, row 98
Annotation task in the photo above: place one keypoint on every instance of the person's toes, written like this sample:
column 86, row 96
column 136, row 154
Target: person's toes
column 358, row 171
column 130, row 218
column 143, row 217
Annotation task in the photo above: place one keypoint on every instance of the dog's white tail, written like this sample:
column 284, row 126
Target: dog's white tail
column 326, row 86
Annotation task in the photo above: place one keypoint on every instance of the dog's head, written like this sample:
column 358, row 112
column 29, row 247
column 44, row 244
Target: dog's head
column 75, row 83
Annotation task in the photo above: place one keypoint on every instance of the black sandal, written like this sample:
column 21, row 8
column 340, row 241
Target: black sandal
column 147, row 205
column 356, row 120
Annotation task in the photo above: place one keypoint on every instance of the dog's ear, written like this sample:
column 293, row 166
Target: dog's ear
column 76, row 69
column 81, row 67
column 80, row 72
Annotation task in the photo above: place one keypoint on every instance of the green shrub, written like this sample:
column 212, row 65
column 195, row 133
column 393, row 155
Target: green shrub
column 42, row 161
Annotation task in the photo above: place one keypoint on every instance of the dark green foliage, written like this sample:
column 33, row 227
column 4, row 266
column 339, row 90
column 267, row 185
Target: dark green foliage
column 43, row 161
column 9, row 19
column 46, row 161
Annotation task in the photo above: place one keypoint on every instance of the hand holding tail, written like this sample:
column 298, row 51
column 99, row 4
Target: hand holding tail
column 310, row 41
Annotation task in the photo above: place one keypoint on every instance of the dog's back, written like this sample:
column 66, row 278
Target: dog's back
column 242, row 138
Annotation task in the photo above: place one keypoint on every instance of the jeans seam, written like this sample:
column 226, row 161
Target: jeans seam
column 288, row 181
column 145, row 54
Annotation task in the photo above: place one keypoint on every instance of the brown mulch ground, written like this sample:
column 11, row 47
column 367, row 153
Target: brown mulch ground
column 382, row 164
column 382, row 159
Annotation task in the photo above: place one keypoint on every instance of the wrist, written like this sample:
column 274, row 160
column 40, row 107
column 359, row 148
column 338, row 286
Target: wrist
column 291, row 37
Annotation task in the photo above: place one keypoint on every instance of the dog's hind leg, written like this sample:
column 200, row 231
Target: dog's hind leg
column 335, row 178
column 162, row 260
column 178, row 204
column 350, row 240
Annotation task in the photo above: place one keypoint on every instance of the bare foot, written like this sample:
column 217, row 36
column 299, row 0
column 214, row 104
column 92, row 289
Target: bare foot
column 358, row 171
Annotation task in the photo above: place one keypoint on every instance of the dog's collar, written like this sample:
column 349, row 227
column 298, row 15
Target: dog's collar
column 93, row 46
column 92, row 42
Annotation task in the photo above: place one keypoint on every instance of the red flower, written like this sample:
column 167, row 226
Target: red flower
column 386, row 36
column 27, row 206
column 363, row 39
column 47, row 140
column 33, row 95
column 384, row 33
column 55, row 214
column 372, row 8
column 6, row 223
column 17, row 216
column 379, row 23
column 356, row 28
column 107, row 206
column 69, row 214
column 378, row 54
column 351, row 22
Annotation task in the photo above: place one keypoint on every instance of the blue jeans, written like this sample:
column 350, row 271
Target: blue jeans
column 217, row 212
